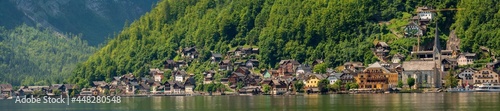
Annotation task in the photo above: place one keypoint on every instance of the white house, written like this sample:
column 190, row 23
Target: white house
column 333, row 77
column 180, row 76
column 396, row 58
column 157, row 74
column 413, row 29
column 466, row 76
column 425, row 12
column 466, row 59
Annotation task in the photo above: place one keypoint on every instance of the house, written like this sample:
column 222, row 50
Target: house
column 251, row 63
column 334, row 77
column 287, row 67
column 425, row 13
column 317, row 61
column 243, row 70
column 180, row 76
column 250, row 90
column 376, row 76
column 252, row 80
column 189, row 52
column 255, row 50
column 397, row 58
column 242, row 52
column 413, row 29
column 225, row 65
column 302, row 69
column 224, row 81
column 467, row 76
column 425, row 73
column 381, row 49
column 354, row 66
column 448, row 64
column 144, row 88
column 466, row 58
column 238, row 63
column 266, row 74
column 189, row 85
column 216, row 57
column 173, row 87
column 278, row 87
column 100, row 86
column 236, row 77
column 485, row 75
column 348, row 76
column 170, row 64
column 157, row 88
column 59, row 87
column 312, row 80
column 131, row 87
column 6, row 90
column 157, row 74
column 180, row 64
column 209, row 76
column 128, row 78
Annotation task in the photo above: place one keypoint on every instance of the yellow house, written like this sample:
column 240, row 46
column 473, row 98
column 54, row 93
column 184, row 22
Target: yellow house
column 313, row 80
column 376, row 76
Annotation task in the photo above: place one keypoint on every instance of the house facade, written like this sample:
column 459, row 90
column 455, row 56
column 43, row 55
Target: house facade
column 425, row 13
column 485, row 75
column 466, row 58
column 376, row 77
column 287, row 67
column 467, row 76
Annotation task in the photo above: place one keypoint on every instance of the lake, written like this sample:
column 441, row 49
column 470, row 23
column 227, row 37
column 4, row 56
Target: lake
column 356, row 102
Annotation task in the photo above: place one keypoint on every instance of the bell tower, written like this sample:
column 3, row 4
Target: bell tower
column 437, row 59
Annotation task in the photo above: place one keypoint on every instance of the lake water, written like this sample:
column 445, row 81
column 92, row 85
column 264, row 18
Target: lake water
column 355, row 102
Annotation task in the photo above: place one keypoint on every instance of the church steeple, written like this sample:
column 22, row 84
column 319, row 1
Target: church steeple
column 437, row 59
column 436, row 47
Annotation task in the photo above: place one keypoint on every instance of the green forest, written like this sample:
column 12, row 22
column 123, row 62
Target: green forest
column 337, row 31
column 37, row 56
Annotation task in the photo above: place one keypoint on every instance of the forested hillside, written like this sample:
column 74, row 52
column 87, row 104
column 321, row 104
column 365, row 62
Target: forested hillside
column 336, row 31
column 94, row 19
column 37, row 56
column 479, row 25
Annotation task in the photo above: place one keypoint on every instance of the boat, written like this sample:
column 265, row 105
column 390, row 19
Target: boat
column 487, row 87
column 459, row 90
column 467, row 88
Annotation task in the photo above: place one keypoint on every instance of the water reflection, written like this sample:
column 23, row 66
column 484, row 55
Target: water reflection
column 356, row 102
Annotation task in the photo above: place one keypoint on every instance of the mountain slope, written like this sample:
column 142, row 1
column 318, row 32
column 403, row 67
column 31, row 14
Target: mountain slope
column 30, row 56
column 336, row 31
column 95, row 19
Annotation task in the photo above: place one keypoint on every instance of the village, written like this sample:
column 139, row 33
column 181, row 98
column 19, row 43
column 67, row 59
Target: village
column 237, row 73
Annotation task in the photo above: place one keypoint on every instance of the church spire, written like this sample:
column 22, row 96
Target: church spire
column 437, row 47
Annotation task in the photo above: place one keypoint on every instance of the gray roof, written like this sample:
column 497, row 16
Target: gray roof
column 239, row 74
column 320, row 76
column 469, row 54
column 418, row 65
column 134, row 83
column 217, row 55
column 377, row 65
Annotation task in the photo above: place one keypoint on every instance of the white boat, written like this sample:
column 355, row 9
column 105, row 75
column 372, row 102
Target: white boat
column 487, row 87
column 459, row 90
